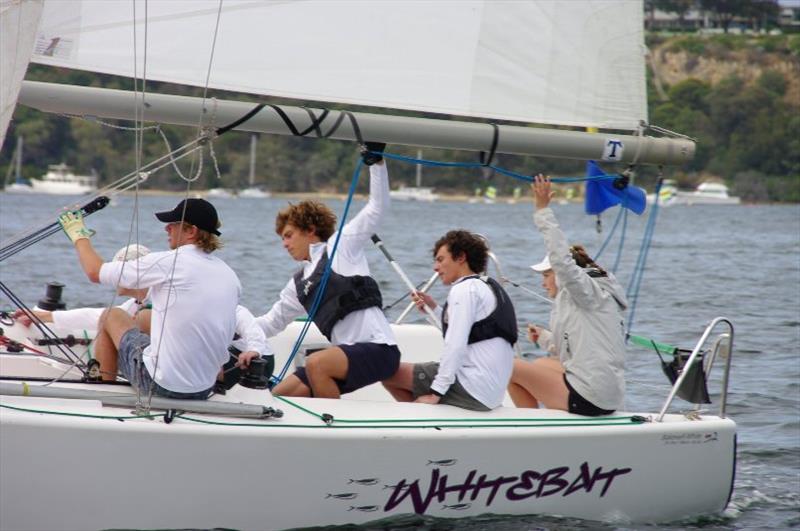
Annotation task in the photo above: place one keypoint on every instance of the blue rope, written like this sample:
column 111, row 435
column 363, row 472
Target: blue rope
column 325, row 275
column 503, row 171
column 610, row 235
column 621, row 240
column 638, row 271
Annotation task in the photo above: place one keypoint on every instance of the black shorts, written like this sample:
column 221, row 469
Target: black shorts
column 367, row 363
column 580, row 406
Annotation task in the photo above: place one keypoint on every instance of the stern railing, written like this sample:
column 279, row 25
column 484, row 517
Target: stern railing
column 721, row 340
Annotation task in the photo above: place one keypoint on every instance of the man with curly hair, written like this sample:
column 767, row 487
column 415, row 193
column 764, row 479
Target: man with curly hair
column 364, row 350
column 479, row 327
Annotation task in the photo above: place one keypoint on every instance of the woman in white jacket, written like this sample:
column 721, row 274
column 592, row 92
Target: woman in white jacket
column 587, row 336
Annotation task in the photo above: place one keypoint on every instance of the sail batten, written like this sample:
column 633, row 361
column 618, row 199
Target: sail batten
column 578, row 63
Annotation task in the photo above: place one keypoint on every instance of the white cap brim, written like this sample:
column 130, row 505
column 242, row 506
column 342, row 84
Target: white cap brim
column 542, row 266
column 133, row 251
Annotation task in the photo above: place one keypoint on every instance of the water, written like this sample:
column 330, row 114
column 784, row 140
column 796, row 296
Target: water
column 740, row 262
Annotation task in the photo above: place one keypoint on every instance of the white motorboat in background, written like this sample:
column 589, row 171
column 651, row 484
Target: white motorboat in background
column 707, row 193
column 59, row 180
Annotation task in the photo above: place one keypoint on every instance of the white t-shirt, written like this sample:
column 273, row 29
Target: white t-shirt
column 194, row 313
column 483, row 368
column 362, row 326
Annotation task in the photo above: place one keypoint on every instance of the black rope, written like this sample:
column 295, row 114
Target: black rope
column 487, row 161
column 316, row 122
column 240, row 121
column 403, row 297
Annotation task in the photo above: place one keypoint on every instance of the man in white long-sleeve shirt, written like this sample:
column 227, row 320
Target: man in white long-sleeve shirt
column 479, row 328
column 349, row 314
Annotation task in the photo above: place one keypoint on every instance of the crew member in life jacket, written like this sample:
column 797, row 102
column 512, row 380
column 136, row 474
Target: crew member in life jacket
column 479, row 327
column 349, row 313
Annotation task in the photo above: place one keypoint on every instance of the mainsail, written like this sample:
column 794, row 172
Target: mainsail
column 18, row 23
column 576, row 62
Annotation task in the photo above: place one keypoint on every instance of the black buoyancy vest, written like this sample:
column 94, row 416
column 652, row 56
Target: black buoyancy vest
column 343, row 295
column 502, row 322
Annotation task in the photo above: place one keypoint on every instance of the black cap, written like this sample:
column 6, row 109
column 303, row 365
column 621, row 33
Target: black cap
column 199, row 213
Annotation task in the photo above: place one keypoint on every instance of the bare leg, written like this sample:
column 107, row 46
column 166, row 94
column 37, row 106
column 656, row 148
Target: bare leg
column 143, row 320
column 324, row 368
column 401, row 384
column 541, row 381
column 112, row 326
column 292, row 386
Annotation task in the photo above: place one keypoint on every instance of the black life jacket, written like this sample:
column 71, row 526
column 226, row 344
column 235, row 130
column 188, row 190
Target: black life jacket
column 343, row 295
column 502, row 322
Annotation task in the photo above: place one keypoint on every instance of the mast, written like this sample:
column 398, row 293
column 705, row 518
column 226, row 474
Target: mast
column 419, row 168
column 420, row 132
column 18, row 165
column 252, row 178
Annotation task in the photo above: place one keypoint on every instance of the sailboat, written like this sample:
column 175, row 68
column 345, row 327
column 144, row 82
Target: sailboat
column 20, row 185
column 252, row 191
column 415, row 193
column 248, row 460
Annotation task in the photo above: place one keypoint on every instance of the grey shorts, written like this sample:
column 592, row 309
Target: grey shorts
column 130, row 365
column 424, row 374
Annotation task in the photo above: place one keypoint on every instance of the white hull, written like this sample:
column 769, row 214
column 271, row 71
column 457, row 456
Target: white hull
column 17, row 188
column 254, row 193
column 296, row 471
column 413, row 193
column 60, row 188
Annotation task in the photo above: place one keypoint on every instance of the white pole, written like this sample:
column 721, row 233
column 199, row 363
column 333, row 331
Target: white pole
column 428, row 310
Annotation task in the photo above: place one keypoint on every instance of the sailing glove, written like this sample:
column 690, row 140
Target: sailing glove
column 371, row 152
column 72, row 225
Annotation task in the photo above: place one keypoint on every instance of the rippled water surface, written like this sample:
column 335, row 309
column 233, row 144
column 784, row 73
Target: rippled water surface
column 741, row 262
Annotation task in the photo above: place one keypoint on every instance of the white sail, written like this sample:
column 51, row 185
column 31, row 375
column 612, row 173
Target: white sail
column 577, row 62
column 18, row 23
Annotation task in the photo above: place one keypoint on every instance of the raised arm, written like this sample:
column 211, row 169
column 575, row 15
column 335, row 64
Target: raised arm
column 569, row 275
column 283, row 312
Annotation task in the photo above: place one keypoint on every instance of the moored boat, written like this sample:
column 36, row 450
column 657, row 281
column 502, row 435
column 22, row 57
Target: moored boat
column 60, row 180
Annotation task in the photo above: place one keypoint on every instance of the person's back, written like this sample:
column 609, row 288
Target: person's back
column 193, row 319
column 590, row 329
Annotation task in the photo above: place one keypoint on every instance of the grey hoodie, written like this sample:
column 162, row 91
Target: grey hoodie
column 588, row 330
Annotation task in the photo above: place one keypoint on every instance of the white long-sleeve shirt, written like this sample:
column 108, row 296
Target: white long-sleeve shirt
column 484, row 367
column 362, row 326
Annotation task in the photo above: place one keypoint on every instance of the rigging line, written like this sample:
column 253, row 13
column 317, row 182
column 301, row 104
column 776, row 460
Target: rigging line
column 32, row 232
column 527, row 290
column 487, row 160
column 636, row 281
column 325, row 275
column 43, row 328
column 610, row 235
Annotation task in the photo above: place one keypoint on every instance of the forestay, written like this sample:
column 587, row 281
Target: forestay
column 578, row 63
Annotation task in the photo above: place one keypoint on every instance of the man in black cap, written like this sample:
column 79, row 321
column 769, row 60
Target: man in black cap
column 188, row 344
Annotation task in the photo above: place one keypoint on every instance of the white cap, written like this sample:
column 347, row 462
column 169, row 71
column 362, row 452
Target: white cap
column 133, row 251
column 542, row 266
